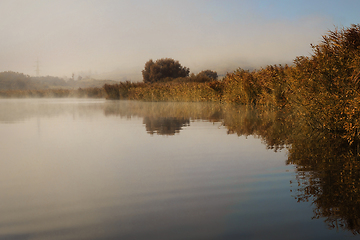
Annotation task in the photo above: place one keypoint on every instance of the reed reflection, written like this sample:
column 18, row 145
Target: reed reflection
column 328, row 174
column 274, row 128
column 327, row 165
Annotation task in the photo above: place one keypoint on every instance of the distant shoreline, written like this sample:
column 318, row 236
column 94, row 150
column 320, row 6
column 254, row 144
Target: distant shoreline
column 95, row 92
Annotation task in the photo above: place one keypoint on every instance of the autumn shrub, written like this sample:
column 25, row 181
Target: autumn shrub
column 326, row 84
column 112, row 91
column 241, row 87
column 273, row 81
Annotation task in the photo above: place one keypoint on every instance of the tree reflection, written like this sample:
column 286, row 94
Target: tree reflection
column 165, row 125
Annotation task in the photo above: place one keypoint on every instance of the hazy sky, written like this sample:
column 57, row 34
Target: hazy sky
column 118, row 37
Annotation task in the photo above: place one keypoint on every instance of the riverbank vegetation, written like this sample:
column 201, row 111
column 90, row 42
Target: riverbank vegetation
column 331, row 74
column 323, row 90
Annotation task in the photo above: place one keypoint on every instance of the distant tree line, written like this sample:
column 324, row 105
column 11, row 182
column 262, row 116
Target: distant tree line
column 18, row 81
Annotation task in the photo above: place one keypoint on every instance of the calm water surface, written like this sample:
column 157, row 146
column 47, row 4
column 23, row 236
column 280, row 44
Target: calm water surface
column 97, row 169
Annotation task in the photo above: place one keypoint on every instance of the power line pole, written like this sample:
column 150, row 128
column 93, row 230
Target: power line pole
column 37, row 70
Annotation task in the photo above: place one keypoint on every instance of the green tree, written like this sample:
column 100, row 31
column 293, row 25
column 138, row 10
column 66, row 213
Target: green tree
column 163, row 68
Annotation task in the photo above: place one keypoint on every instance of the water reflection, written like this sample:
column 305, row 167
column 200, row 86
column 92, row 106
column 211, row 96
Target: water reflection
column 16, row 110
column 328, row 174
column 327, row 166
column 273, row 127
column 165, row 125
column 166, row 118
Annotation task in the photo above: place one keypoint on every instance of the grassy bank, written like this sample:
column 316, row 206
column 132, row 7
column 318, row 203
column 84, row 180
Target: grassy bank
column 267, row 86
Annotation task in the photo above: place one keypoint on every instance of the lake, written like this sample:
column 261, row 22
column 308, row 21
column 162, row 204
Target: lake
column 100, row 169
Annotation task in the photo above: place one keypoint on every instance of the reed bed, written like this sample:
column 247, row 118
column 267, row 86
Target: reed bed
column 322, row 90
column 165, row 92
